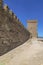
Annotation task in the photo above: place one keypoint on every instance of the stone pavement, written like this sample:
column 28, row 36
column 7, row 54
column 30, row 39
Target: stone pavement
column 30, row 53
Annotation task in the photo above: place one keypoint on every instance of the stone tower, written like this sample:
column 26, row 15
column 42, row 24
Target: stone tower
column 32, row 27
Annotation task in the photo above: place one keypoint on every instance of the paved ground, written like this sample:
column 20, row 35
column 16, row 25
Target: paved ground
column 30, row 53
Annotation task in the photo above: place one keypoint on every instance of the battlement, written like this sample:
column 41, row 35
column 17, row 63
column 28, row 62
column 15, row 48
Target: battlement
column 6, row 8
column 12, row 15
column 32, row 21
column 7, row 11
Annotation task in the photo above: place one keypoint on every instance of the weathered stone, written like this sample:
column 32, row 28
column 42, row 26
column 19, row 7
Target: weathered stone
column 12, row 32
column 32, row 27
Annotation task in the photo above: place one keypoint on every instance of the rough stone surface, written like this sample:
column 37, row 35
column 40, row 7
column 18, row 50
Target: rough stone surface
column 12, row 32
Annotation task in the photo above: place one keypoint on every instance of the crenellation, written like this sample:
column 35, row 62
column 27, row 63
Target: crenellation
column 15, row 17
column 6, row 8
column 11, row 13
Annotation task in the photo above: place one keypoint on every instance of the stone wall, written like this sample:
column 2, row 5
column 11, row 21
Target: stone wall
column 12, row 32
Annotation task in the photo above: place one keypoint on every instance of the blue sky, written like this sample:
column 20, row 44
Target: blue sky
column 28, row 10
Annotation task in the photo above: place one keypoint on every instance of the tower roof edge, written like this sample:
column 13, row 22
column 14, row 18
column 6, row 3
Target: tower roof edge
column 31, row 21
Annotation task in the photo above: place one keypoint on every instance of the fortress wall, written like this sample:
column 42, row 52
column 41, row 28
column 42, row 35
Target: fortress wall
column 11, row 14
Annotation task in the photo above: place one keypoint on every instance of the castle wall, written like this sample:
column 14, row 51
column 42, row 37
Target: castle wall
column 12, row 32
